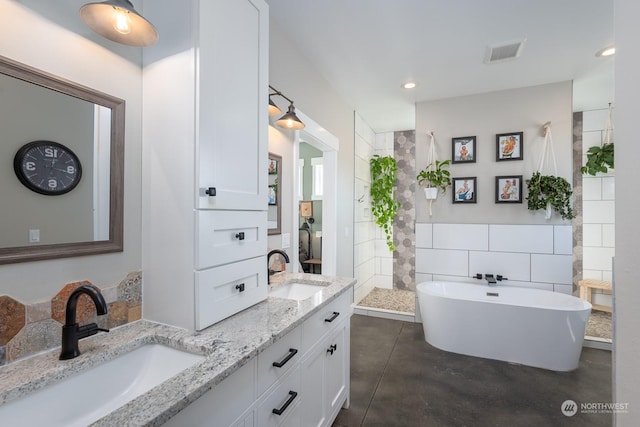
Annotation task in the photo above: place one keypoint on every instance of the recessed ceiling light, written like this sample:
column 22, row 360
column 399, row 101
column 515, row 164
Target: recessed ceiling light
column 409, row 85
column 607, row 51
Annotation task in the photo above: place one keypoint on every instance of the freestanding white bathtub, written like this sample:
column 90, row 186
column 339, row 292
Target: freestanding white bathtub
column 532, row 327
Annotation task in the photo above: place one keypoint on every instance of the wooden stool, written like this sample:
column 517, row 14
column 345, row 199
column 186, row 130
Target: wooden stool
column 586, row 288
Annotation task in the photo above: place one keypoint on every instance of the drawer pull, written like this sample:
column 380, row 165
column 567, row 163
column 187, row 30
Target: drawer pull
column 333, row 317
column 284, row 407
column 332, row 348
column 240, row 287
column 211, row 191
column 240, row 235
column 292, row 352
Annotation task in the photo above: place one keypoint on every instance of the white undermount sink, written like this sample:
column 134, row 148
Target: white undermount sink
column 296, row 291
column 90, row 395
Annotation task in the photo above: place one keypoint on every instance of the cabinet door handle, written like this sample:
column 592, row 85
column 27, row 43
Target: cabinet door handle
column 240, row 287
column 292, row 396
column 332, row 348
column 211, row 191
column 292, row 352
column 240, row 235
column 333, row 317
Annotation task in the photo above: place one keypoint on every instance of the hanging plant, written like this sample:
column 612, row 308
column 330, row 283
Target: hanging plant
column 550, row 191
column 599, row 159
column 383, row 205
column 435, row 176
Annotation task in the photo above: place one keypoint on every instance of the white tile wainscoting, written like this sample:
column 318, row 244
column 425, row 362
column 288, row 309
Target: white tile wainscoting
column 536, row 256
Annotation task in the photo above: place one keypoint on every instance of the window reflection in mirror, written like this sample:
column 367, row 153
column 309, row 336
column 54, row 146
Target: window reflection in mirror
column 274, row 194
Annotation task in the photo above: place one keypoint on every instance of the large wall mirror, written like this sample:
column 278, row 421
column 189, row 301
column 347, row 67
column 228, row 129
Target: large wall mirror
column 275, row 194
column 88, row 219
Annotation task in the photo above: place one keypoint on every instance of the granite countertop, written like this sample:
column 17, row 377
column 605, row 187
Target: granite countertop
column 228, row 345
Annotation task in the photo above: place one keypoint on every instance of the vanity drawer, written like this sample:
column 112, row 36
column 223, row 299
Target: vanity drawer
column 223, row 291
column 284, row 397
column 324, row 320
column 284, row 353
column 223, row 237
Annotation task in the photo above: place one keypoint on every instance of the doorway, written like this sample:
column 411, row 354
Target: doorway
column 319, row 244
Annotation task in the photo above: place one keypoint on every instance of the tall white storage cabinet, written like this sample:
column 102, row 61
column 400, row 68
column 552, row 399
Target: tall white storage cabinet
column 205, row 97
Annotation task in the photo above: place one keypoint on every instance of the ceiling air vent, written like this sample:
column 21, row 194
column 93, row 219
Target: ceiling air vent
column 503, row 52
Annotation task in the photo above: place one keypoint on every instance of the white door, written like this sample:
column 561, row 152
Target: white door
column 232, row 100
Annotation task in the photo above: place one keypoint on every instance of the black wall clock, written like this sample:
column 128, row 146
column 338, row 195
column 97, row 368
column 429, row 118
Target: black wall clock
column 47, row 167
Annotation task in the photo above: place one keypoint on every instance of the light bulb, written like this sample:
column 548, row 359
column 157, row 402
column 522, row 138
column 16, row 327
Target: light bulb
column 121, row 21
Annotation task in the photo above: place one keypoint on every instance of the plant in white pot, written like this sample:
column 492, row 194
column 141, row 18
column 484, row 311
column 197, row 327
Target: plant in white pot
column 435, row 177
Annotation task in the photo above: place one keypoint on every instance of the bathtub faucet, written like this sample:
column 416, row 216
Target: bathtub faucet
column 491, row 281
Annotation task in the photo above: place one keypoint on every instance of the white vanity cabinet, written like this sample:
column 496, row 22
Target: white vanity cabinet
column 205, row 124
column 230, row 403
column 301, row 380
column 325, row 366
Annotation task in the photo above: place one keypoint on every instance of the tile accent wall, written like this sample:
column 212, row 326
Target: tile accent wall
column 29, row 328
column 534, row 256
column 598, row 209
column 404, row 257
column 577, row 199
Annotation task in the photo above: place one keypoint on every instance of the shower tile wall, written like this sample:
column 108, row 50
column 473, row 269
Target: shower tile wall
column 598, row 209
column 365, row 227
column 404, row 257
column 536, row 256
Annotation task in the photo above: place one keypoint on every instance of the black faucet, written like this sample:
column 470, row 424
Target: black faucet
column 491, row 281
column 273, row 252
column 71, row 332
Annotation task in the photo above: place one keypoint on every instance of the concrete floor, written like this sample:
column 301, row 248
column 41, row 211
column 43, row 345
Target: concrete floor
column 398, row 379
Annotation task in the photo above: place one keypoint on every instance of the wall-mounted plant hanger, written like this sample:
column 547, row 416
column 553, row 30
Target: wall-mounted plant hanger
column 601, row 158
column 434, row 175
column 549, row 192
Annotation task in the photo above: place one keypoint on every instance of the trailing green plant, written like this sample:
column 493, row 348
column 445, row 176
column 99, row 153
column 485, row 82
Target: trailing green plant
column 383, row 205
column 599, row 159
column 553, row 190
column 435, row 175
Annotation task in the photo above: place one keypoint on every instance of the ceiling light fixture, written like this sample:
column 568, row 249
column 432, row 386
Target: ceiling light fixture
column 607, row 51
column 118, row 21
column 409, row 85
column 289, row 120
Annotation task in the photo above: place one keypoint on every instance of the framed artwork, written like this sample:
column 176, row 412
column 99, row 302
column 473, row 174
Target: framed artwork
column 273, row 195
column 306, row 208
column 464, row 190
column 463, row 149
column 509, row 189
column 509, row 146
column 273, row 166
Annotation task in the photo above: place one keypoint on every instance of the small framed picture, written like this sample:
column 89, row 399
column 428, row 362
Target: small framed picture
column 273, row 198
column 463, row 149
column 464, row 190
column 273, row 166
column 306, row 208
column 509, row 189
column 509, row 146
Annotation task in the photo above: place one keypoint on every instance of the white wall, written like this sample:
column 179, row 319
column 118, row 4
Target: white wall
column 293, row 74
column 598, row 210
column 626, row 340
column 485, row 115
column 68, row 49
